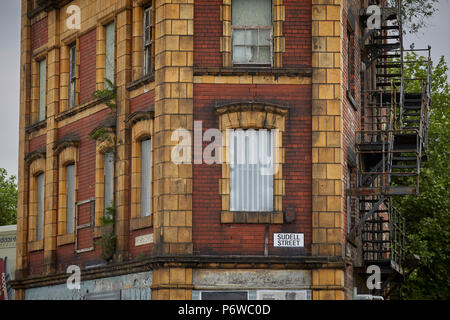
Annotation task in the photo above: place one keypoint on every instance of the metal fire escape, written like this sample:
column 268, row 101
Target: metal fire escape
column 391, row 145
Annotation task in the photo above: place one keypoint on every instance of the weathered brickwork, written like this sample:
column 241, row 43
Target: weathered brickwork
column 39, row 33
column 192, row 76
column 207, row 205
column 87, row 66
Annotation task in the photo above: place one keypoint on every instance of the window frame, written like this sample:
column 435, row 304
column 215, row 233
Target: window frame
column 258, row 28
column 72, row 85
column 113, row 53
column 67, row 155
column 42, row 102
column 141, row 125
column 74, row 202
column 247, row 133
column 149, row 186
column 36, row 168
column 253, row 116
column 147, row 46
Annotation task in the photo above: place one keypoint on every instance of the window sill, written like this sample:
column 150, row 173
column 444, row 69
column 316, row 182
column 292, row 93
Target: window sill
column 251, row 217
column 141, row 223
column 136, row 84
column 36, row 126
column 65, row 239
column 36, row 245
column 77, row 109
column 241, row 70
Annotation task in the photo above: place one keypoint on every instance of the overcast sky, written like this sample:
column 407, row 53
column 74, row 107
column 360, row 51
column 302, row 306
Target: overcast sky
column 437, row 35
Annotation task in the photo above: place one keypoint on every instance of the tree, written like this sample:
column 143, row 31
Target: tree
column 415, row 13
column 8, row 199
column 428, row 214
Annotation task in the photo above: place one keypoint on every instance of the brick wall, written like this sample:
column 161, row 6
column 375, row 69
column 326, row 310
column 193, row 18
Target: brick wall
column 297, row 30
column 208, row 30
column 39, row 33
column 143, row 101
column 209, row 235
column 351, row 112
column 87, row 66
column 37, row 143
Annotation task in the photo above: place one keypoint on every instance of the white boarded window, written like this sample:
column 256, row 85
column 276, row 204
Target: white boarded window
column 146, row 169
column 40, row 207
column 70, row 189
column 42, row 89
column 252, row 31
column 72, row 75
column 148, row 41
column 109, row 59
column 251, row 170
column 109, row 179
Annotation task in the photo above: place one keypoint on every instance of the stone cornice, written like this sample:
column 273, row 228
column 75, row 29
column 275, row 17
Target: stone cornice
column 199, row 262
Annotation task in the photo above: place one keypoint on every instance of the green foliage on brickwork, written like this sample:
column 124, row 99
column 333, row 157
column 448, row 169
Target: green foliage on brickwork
column 108, row 240
column 428, row 214
column 8, row 199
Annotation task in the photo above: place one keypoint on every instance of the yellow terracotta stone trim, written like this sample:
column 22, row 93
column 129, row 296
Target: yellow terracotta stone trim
column 252, row 116
column 37, row 166
column 102, row 147
column 67, row 156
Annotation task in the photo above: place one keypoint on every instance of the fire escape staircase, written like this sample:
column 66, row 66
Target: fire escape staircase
column 390, row 146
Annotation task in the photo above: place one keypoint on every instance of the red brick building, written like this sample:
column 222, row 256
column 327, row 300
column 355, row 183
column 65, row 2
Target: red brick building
column 106, row 84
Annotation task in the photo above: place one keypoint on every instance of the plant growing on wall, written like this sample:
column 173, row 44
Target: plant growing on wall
column 108, row 240
column 108, row 95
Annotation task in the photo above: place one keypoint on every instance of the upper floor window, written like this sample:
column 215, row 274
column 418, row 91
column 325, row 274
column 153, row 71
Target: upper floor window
column 108, row 159
column 42, row 89
column 146, row 177
column 109, row 59
column 40, row 207
column 148, row 43
column 252, row 32
column 70, row 189
column 251, row 170
column 72, row 75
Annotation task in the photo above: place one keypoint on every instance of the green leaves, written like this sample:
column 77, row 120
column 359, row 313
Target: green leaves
column 107, row 95
column 416, row 12
column 428, row 214
column 108, row 240
column 8, row 199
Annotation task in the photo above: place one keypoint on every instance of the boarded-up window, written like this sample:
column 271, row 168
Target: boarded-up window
column 42, row 89
column 40, row 207
column 109, row 63
column 70, row 188
column 145, row 177
column 109, row 178
column 251, row 170
column 252, row 31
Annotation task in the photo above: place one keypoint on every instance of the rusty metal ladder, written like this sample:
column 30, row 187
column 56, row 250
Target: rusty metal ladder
column 90, row 225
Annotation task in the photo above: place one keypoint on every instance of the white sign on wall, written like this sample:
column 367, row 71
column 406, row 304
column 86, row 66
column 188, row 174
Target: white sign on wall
column 288, row 240
column 145, row 239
